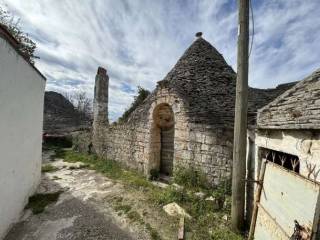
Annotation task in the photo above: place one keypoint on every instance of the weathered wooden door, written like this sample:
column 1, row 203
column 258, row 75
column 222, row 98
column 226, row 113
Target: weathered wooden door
column 286, row 197
column 167, row 150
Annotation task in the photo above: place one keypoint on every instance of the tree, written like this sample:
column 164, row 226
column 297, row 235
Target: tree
column 26, row 46
column 81, row 102
column 138, row 99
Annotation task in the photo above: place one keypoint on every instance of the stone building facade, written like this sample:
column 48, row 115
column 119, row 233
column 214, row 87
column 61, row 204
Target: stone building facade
column 290, row 126
column 186, row 121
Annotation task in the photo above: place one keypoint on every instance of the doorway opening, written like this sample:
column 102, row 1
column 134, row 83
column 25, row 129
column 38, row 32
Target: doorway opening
column 164, row 135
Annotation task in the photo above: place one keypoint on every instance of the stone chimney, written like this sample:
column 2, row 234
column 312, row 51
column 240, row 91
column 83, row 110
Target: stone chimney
column 100, row 102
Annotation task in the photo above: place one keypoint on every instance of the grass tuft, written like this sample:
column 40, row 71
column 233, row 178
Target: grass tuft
column 48, row 168
column 38, row 202
column 190, row 178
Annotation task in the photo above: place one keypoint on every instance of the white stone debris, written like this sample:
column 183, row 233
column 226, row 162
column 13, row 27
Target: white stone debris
column 174, row 210
column 160, row 184
column 200, row 194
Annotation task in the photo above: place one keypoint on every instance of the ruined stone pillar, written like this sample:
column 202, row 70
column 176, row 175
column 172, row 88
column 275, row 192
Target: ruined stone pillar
column 100, row 112
column 100, row 104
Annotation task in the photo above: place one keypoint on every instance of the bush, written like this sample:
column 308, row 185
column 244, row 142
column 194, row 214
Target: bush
column 191, row 178
column 38, row 202
column 138, row 100
column 48, row 168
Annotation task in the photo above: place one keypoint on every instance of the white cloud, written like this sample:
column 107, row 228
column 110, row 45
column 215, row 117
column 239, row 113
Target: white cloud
column 139, row 41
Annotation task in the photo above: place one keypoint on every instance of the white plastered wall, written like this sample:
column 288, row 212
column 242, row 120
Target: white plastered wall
column 21, row 116
column 303, row 143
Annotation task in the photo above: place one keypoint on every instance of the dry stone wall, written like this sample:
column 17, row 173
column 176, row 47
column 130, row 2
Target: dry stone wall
column 136, row 143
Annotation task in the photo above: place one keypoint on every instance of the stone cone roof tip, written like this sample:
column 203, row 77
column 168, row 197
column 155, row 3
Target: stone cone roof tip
column 198, row 34
column 206, row 82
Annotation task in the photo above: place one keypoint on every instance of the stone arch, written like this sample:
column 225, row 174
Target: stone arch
column 162, row 139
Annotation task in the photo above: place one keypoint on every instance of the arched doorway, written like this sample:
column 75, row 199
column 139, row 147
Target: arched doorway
column 164, row 124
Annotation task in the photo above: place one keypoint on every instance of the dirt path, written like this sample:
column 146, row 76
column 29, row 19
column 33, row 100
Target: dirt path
column 86, row 209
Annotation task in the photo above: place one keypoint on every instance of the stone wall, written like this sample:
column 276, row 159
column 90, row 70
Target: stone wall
column 137, row 142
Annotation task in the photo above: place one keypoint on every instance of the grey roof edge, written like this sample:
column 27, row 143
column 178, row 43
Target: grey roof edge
column 288, row 92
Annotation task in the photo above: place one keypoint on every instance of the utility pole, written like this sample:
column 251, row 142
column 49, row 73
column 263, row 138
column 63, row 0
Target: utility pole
column 240, row 123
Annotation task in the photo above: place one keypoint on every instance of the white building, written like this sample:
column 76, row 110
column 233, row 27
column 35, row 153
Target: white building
column 287, row 161
column 21, row 112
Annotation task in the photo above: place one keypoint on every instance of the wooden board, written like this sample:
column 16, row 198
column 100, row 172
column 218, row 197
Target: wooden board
column 285, row 197
column 167, row 150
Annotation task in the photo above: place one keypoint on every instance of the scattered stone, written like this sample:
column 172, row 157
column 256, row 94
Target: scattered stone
column 225, row 217
column 174, row 210
column 200, row 194
column 160, row 184
column 177, row 186
column 210, row 198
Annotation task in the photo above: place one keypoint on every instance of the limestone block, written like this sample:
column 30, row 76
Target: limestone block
column 205, row 147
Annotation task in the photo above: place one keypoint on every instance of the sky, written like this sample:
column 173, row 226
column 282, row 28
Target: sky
column 139, row 41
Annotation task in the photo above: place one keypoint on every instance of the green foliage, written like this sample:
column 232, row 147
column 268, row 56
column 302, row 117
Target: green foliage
column 38, row 202
column 191, row 178
column 123, row 208
column 142, row 95
column 168, row 195
column 224, row 234
column 48, row 168
column 27, row 46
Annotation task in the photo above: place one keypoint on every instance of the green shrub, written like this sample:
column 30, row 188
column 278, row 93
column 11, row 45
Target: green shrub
column 48, row 168
column 191, row 178
column 38, row 202
column 138, row 100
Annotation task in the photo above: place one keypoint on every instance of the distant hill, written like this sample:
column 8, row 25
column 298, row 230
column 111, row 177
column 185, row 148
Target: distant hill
column 60, row 116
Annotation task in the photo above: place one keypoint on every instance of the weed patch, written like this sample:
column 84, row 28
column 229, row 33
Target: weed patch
column 134, row 216
column 38, row 202
column 190, row 178
column 48, row 168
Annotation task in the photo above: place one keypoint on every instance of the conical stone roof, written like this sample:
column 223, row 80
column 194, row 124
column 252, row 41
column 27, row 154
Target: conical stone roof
column 206, row 83
column 207, row 86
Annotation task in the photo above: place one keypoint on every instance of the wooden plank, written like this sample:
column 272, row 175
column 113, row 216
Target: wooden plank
column 285, row 197
column 257, row 200
column 181, row 229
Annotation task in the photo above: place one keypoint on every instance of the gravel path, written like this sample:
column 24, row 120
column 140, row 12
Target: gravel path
column 81, row 212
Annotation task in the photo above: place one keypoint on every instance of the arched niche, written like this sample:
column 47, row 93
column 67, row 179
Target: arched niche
column 162, row 139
